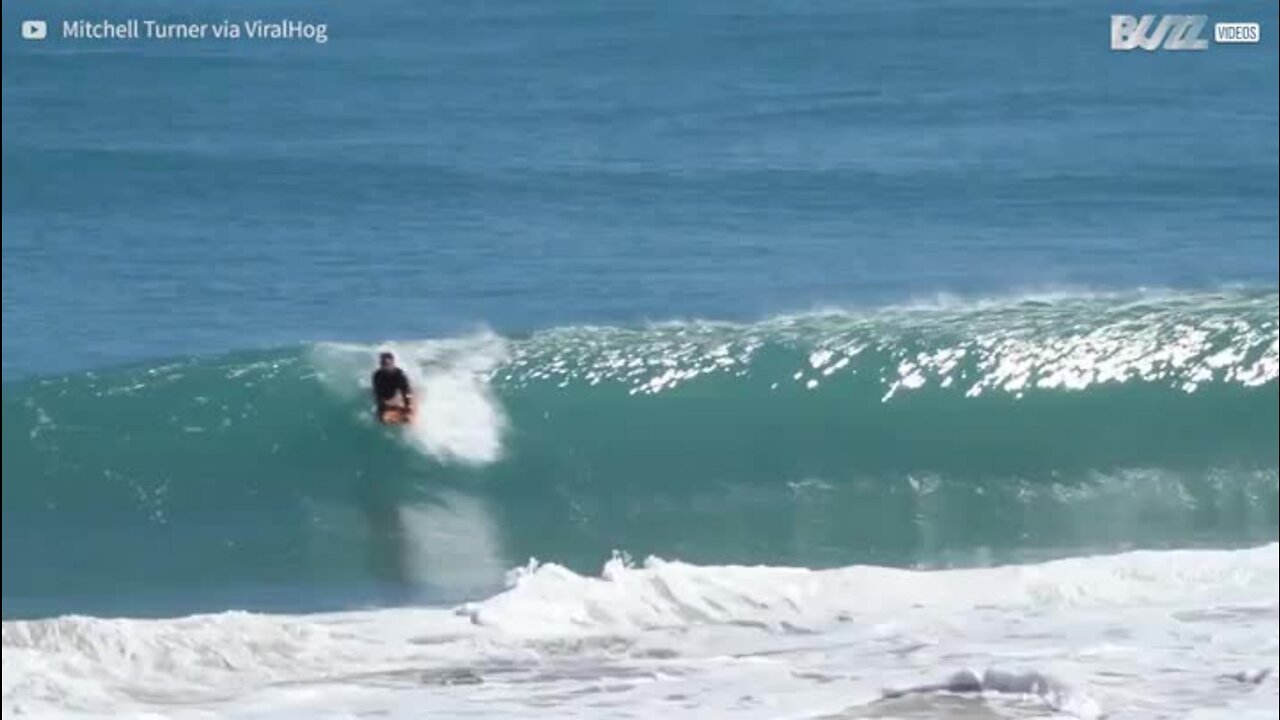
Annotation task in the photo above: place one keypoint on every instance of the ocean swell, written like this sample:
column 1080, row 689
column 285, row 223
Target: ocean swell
column 929, row 435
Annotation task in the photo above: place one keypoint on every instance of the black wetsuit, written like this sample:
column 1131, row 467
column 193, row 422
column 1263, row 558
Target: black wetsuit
column 388, row 382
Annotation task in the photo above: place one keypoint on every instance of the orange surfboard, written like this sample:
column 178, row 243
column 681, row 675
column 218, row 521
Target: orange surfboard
column 396, row 416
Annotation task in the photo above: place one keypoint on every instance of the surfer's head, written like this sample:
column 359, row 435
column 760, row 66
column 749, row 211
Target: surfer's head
column 387, row 360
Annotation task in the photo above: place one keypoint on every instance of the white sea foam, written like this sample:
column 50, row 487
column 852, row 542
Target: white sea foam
column 452, row 544
column 1143, row 635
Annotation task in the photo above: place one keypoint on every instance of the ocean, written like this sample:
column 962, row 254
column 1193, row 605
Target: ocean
column 776, row 360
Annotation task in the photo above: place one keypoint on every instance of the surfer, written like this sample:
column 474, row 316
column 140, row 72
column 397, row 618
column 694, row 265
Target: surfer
column 391, row 391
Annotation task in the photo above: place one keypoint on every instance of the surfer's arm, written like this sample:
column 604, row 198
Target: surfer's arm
column 405, row 391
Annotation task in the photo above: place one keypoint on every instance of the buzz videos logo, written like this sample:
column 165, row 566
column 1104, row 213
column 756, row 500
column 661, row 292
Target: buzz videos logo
column 1176, row 32
column 1173, row 32
column 34, row 30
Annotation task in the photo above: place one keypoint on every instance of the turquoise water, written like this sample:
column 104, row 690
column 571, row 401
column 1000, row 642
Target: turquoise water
column 729, row 282
column 926, row 436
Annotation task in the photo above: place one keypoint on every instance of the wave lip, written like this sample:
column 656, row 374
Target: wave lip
column 1062, row 342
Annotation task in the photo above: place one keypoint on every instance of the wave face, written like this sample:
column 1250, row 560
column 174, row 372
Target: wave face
column 926, row 435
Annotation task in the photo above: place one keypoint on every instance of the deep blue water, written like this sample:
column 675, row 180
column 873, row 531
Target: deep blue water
column 437, row 166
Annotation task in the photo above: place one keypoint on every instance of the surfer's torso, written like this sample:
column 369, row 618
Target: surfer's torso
column 388, row 383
